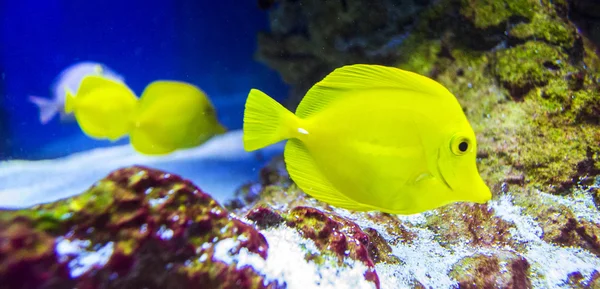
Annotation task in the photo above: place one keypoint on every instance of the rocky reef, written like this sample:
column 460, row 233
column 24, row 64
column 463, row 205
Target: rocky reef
column 529, row 81
column 137, row 228
column 523, row 73
column 143, row 228
column 506, row 243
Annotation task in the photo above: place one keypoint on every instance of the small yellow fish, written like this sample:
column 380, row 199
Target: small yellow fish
column 169, row 115
column 370, row 137
column 100, row 105
column 173, row 115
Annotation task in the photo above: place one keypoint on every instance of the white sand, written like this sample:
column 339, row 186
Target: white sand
column 218, row 167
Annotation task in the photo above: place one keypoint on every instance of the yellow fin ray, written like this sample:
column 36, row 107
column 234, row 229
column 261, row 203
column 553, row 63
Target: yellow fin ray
column 366, row 77
column 143, row 142
column 170, row 115
column 306, row 174
column 69, row 101
column 265, row 121
column 103, row 108
column 92, row 83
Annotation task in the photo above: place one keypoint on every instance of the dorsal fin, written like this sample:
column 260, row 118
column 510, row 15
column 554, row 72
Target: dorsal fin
column 92, row 82
column 365, row 77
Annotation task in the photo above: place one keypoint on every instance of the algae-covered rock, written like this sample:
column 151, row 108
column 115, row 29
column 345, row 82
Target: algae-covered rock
column 525, row 76
column 528, row 79
column 137, row 228
column 331, row 234
column 500, row 270
column 309, row 38
column 145, row 228
column 541, row 241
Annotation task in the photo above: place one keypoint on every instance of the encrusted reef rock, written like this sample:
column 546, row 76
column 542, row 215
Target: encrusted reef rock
column 528, row 240
column 310, row 37
column 527, row 80
column 142, row 228
column 137, row 228
column 503, row 270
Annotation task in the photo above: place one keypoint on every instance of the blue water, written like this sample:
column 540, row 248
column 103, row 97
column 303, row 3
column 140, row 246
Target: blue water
column 208, row 43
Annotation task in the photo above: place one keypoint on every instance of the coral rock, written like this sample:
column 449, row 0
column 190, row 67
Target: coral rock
column 136, row 228
column 483, row 228
column 502, row 270
column 334, row 234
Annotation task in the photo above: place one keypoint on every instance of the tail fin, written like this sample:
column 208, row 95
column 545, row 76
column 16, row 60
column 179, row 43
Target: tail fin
column 69, row 102
column 265, row 121
column 48, row 108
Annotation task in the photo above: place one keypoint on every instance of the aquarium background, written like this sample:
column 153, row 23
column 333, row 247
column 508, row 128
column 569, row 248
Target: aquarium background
column 525, row 72
column 208, row 43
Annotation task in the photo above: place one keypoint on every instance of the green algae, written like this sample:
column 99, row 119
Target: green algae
column 525, row 66
column 586, row 106
column 53, row 217
column 487, row 13
column 545, row 27
column 422, row 56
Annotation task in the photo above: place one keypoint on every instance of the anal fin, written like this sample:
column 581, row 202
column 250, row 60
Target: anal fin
column 307, row 175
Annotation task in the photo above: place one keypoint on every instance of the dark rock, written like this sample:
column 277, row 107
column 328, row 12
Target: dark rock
column 576, row 280
column 586, row 13
column 334, row 234
column 578, row 233
column 379, row 249
column 394, row 228
column 502, row 270
column 264, row 217
column 309, row 38
column 148, row 229
column 474, row 224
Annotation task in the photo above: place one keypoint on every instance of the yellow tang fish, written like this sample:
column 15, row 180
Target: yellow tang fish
column 169, row 115
column 102, row 107
column 173, row 115
column 370, row 137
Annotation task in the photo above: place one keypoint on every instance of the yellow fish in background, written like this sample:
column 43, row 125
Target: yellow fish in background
column 173, row 115
column 169, row 115
column 370, row 137
column 100, row 107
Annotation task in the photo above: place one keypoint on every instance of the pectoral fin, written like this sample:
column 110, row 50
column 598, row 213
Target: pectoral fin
column 307, row 175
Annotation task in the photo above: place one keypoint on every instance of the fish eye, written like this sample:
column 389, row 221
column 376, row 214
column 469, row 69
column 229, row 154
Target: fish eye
column 463, row 146
column 460, row 145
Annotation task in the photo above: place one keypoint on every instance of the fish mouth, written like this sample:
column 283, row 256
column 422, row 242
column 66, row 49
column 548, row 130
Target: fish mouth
column 484, row 194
